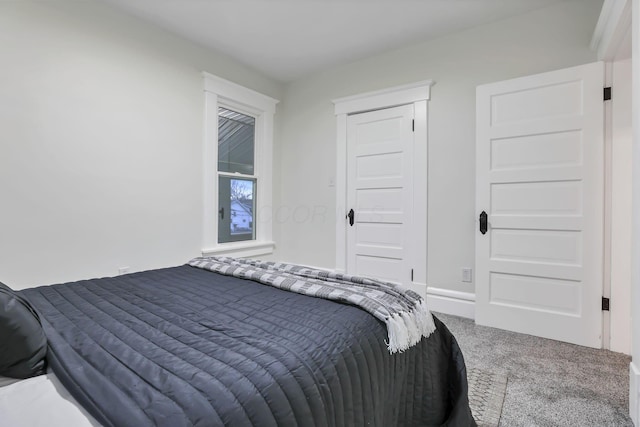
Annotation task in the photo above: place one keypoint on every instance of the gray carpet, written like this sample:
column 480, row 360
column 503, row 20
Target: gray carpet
column 550, row 383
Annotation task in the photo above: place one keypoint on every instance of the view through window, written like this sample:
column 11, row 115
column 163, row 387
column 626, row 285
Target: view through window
column 236, row 181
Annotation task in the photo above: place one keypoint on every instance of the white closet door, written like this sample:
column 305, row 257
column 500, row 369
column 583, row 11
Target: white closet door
column 380, row 193
column 539, row 175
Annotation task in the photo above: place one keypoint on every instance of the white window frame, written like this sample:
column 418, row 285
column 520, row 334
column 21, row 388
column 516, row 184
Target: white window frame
column 221, row 92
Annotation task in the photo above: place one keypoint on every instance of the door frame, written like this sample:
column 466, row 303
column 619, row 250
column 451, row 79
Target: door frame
column 417, row 93
column 612, row 30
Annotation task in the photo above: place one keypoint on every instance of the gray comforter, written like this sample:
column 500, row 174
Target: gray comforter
column 183, row 346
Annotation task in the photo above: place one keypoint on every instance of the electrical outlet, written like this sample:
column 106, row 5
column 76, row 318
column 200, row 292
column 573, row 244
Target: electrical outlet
column 123, row 270
column 466, row 275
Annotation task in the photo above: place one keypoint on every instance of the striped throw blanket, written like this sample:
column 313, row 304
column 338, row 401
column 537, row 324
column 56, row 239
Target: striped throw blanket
column 403, row 311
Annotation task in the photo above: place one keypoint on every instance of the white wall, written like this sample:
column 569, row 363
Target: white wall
column 101, row 120
column 101, row 141
column 548, row 39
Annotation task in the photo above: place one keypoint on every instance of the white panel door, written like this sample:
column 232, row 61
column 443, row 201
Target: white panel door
column 380, row 193
column 539, row 173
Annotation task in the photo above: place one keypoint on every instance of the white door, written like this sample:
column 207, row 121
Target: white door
column 539, row 178
column 380, row 193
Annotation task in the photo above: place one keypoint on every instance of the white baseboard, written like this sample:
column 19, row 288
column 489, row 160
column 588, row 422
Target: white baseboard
column 634, row 393
column 446, row 301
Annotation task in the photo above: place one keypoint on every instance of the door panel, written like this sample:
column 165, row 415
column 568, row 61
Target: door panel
column 532, row 293
column 384, row 268
column 379, row 166
column 380, row 190
column 539, row 176
column 530, row 104
column 535, row 199
column 537, row 151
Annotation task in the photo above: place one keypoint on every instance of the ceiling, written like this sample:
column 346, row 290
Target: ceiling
column 288, row 39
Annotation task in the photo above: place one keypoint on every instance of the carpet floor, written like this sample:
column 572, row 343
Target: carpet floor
column 550, row 383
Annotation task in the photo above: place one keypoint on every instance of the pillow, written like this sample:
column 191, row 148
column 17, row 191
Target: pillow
column 23, row 345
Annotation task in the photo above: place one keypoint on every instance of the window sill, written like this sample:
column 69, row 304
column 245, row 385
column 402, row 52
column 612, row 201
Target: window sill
column 241, row 249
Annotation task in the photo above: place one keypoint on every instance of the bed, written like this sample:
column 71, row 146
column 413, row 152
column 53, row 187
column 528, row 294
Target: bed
column 185, row 346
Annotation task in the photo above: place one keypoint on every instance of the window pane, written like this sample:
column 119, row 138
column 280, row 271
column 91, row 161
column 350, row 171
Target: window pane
column 236, row 134
column 236, row 206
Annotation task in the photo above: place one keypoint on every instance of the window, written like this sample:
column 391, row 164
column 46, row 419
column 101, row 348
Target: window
column 237, row 169
column 236, row 180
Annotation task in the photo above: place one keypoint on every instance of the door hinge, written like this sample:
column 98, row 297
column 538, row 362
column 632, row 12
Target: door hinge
column 605, row 304
column 412, row 274
column 413, row 125
column 607, row 93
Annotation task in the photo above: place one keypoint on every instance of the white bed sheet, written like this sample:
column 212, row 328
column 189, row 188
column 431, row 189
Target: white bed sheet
column 4, row 381
column 41, row 401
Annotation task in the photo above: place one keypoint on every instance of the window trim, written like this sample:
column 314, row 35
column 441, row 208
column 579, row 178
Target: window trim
column 221, row 92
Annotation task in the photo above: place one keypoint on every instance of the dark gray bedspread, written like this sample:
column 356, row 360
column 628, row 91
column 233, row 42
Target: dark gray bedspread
column 183, row 346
